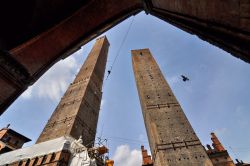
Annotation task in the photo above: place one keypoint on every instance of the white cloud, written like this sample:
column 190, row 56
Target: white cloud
column 53, row 83
column 27, row 93
column 103, row 101
column 125, row 157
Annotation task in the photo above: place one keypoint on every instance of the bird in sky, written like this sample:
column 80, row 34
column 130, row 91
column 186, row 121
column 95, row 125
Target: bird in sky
column 184, row 78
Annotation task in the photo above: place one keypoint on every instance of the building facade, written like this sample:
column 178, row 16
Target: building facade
column 171, row 137
column 11, row 140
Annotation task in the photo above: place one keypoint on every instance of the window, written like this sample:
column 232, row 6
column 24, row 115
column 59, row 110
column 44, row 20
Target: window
column 141, row 53
column 16, row 143
column 53, row 156
column 6, row 139
column 27, row 162
column 35, row 161
column 44, row 159
column 20, row 163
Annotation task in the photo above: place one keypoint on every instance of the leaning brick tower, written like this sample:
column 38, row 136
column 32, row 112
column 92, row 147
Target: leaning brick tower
column 77, row 113
column 171, row 137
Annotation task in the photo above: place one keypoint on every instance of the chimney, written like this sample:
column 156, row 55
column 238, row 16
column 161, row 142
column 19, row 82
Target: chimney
column 146, row 159
column 216, row 143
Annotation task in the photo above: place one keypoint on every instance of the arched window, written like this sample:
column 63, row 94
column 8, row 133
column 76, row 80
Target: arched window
column 27, row 162
column 35, row 161
column 44, row 159
column 20, row 163
column 53, row 156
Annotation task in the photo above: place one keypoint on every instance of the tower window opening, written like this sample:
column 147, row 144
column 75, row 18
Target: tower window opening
column 140, row 53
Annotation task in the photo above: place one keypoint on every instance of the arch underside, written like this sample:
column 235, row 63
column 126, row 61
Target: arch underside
column 35, row 34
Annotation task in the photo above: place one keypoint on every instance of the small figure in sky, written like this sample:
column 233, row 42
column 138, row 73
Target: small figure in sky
column 184, row 78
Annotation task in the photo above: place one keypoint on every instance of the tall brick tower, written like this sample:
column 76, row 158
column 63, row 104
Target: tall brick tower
column 171, row 137
column 218, row 154
column 77, row 113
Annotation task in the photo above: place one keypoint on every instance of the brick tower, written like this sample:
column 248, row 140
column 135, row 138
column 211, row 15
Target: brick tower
column 77, row 113
column 146, row 159
column 171, row 137
column 218, row 154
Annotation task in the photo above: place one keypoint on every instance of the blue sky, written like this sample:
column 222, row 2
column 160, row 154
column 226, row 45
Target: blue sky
column 215, row 99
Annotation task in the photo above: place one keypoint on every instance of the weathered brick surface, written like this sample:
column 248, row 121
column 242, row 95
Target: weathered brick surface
column 225, row 24
column 218, row 155
column 77, row 113
column 234, row 11
column 172, row 139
